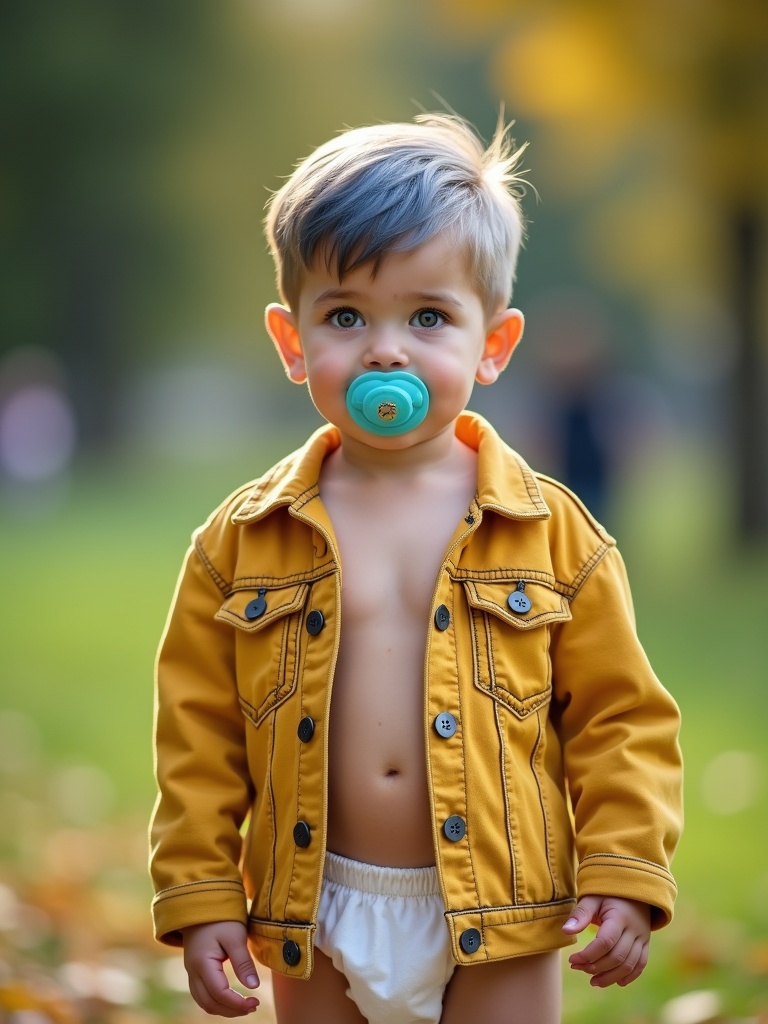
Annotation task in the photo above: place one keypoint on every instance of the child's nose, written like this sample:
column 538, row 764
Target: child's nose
column 385, row 351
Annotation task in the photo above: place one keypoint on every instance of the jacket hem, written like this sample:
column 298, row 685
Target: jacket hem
column 512, row 931
column 276, row 944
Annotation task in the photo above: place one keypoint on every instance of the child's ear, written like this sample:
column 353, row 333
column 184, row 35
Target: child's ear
column 502, row 339
column 283, row 331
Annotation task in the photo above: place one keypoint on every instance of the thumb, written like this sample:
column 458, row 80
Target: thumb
column 583, row 914
column 242, row 964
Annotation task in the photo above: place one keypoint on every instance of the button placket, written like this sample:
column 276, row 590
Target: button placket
column 445, row 726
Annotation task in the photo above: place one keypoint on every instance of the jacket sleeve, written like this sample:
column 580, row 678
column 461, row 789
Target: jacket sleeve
column 200, row 761
column 619, row 729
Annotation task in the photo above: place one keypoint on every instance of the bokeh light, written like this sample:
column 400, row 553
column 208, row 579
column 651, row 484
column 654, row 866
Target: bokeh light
column 37, row 433
column 733, row 781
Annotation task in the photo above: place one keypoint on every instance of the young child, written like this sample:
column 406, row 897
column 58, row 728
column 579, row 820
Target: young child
column 408, row 744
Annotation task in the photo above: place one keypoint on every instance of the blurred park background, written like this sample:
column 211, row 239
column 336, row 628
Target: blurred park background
column 137, row 388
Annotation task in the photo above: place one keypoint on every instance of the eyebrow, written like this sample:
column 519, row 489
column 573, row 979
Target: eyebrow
column 349, row 295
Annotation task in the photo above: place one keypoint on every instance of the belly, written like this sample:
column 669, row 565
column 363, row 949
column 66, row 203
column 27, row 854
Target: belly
column 378, row 809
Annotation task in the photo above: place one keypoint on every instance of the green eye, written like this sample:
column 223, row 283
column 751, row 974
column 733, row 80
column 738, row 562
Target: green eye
column 345, row 318
column 427, row 318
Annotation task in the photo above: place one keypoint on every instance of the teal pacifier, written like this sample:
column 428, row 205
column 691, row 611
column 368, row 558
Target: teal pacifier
column 387, row 403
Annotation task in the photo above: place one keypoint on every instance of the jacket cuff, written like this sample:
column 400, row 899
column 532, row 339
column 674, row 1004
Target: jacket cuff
column 214, row 899
column 610, row 874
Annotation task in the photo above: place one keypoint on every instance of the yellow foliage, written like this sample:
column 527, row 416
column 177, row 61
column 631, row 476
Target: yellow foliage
column 568, row 64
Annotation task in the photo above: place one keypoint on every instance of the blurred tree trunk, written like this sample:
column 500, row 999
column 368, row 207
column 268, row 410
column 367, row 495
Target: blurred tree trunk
column 750, row 378
column 90, row 338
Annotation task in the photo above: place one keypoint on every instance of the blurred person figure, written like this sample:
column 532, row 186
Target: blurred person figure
column 406, row 819
column 583, row 442
column 590, row 416
column 577, row 411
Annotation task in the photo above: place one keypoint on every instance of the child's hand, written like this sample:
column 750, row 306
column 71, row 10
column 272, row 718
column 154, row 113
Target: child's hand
column 206, row 947
column 619, row 952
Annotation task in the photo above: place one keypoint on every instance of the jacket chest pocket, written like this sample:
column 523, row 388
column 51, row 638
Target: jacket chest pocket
column 269, row 644
column 510, row 627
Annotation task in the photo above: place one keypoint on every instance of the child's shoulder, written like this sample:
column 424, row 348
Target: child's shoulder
column 577, row 542
column 536, row 493
column 542, row 516
column 278, row 484
column 227, row 539
column 289, row 481
column 567, row 506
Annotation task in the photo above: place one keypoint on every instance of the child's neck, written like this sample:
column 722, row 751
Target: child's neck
column 440, row 454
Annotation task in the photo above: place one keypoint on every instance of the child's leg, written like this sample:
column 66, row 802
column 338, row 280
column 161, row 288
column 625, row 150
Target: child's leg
column 523, row 990
column 322, row 999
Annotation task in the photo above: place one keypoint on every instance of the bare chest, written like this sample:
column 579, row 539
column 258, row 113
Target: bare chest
column 392, row 537
column 390, row 558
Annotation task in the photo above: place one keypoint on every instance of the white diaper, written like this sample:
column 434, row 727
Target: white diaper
column 384, row 929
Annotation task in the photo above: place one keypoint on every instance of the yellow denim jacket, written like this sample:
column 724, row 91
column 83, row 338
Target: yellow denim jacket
column 553, row 762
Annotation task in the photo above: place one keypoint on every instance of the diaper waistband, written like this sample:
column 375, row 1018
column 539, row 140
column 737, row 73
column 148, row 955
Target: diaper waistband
column 379, row 879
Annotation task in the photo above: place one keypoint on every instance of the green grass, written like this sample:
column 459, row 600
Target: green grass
column 83, row 596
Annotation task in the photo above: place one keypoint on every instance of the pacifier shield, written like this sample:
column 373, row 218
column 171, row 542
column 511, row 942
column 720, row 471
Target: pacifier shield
column 387, row 403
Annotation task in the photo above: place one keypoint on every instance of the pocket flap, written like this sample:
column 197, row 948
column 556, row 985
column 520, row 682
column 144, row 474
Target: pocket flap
column 546, row 605
column 253, row 608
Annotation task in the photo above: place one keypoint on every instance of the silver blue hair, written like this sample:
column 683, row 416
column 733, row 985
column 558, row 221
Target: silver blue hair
column 390, row 188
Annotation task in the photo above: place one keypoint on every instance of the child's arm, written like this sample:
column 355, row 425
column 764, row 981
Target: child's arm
column 619, row 952
column 201, row 763
column 619, row 731
column 206, row 948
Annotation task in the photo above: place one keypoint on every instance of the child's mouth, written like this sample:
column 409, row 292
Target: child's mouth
column 387, row 403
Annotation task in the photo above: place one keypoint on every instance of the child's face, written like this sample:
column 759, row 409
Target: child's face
column 420, row 313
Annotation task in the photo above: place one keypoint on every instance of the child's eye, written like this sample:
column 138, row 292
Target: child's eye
column 428, row 318
column 345, row 318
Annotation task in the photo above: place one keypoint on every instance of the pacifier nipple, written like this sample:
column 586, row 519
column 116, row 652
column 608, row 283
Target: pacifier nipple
column 387, row 403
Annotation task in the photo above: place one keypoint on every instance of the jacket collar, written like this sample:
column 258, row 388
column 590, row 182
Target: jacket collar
column 505, row 483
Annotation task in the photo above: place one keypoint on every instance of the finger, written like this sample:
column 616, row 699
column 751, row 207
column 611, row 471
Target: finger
column 206, row 1001
column 584, row 913
column 608, row 936
column 615, row 957
column 624, row 965
column 216, row 996
column 242, row 964
column 642, row 963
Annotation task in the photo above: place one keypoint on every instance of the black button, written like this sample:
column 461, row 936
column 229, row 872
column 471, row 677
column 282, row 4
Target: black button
column 442, row 617
column 315, row 622
column 306, row 729
column 470, row 940
column 301, row 834
column 454, row 828
column 292, row 953
column 445, row 724
column 255, row 608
